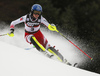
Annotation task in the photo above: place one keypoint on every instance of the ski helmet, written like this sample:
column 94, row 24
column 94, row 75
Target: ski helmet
column 36, row 7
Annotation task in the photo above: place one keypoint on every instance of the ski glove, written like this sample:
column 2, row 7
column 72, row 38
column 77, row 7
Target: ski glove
column 11, row 34
column 52, row 27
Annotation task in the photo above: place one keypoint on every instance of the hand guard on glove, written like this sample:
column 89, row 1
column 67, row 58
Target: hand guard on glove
column 52, row 27
column 11, row 34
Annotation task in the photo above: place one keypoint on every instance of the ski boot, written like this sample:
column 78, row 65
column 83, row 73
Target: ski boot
column 66, row 62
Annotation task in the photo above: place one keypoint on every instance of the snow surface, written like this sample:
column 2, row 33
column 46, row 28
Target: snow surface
column 70, row 52
column 15, row 61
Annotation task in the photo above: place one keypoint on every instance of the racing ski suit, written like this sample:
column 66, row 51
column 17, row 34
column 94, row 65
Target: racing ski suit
column 32, row 28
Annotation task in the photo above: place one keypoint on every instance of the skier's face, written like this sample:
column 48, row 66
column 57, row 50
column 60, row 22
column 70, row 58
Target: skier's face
column 36, row 14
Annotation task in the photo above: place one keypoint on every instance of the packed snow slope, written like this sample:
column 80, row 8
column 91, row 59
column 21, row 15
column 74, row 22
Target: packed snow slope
column 71, row 53
column 16, row 61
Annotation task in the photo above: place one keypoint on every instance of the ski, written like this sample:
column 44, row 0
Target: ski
column 53, row 52
column 47, row 54
column 28, row 48
column 44, row 52
column 68, row 63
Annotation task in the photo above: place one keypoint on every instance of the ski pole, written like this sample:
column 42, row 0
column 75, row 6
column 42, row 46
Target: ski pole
column 73, row 44
column 3, row 34
column 11, row 34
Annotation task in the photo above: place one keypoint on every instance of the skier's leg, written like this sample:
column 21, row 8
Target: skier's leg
column 41, row 41
column 56, row 53
column 37, row 44
column 38, row 40
column 59, row 55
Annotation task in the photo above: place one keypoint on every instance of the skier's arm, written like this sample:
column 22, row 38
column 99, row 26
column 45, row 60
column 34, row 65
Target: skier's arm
column 15, row 22
column 51, row 27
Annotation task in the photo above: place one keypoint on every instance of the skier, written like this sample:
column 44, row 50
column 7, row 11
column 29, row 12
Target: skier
column 33, row 35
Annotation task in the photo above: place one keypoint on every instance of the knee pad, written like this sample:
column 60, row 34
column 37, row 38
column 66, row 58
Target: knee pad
column 37, row 44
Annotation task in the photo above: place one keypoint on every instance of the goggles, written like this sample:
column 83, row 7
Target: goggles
column 37, row 12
